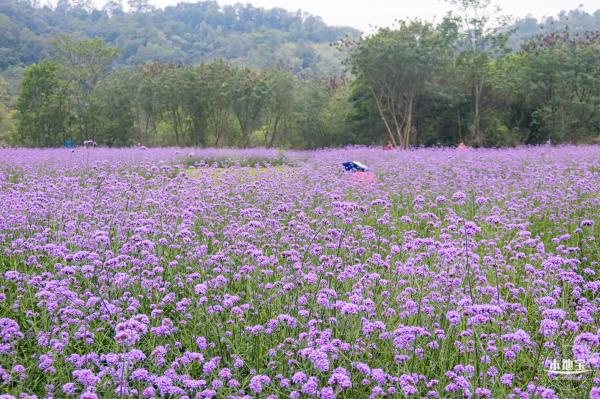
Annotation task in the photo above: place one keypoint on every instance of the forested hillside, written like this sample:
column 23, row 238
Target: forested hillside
column 190, row 33
column 186, row 33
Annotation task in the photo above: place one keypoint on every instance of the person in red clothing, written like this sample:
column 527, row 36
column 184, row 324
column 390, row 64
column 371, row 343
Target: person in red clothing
column 389, row 145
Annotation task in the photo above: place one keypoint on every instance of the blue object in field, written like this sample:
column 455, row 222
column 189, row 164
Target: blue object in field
column 355, row 167
column 69, row 143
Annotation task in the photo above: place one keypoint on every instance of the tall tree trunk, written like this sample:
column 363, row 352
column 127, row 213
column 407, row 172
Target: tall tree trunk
column 476, row 119
column 409, row 121
column 383, row 119
column 459, row 124
column 245, row 137
column 275, row 125
column 176, row 126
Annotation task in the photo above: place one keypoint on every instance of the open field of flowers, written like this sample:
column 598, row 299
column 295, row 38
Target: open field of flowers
column 451, row 274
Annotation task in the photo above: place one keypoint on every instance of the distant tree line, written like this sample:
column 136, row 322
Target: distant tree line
column 458, row 81
column 76, row 96
column 577, row 21
column 416, row 84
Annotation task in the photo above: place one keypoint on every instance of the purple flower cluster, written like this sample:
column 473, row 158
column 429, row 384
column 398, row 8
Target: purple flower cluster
column 129, row 332
column 10, row 333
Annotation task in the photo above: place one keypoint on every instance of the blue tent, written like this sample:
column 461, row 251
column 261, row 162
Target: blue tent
column 355, row 166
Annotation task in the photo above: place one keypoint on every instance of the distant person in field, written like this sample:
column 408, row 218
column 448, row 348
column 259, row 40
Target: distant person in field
column 462, row 146
column 389, row 145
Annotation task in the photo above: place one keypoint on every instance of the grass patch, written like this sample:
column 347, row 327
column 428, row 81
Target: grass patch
column 228, row 162
column 215, row 172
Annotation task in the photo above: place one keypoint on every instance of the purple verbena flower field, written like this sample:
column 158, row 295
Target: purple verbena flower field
column 452, row 274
